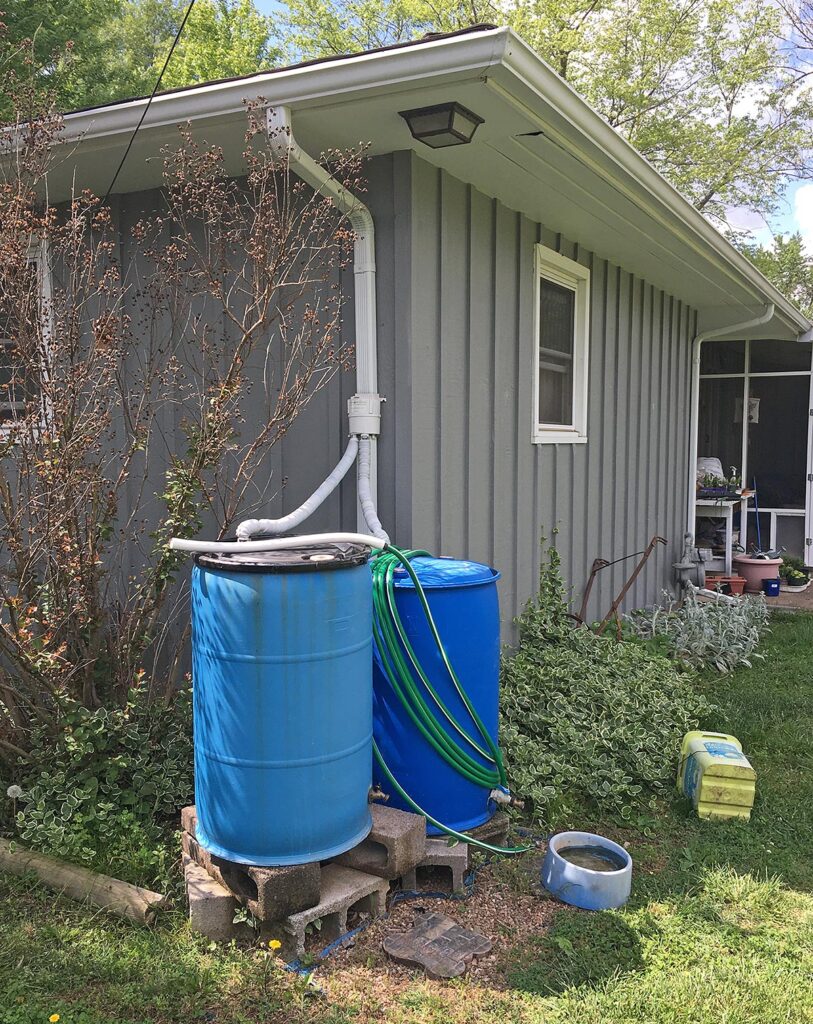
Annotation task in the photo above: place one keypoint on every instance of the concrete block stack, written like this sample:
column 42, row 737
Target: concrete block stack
column 285, row 901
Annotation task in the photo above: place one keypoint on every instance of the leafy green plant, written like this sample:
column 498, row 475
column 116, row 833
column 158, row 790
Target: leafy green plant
column 586, row 718
column 707, row 634
column 793, row 571
column 103, row 790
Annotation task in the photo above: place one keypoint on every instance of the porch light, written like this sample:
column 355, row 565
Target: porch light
column 445, row 124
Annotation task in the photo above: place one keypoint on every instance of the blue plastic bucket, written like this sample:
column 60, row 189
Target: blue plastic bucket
column 771, row 587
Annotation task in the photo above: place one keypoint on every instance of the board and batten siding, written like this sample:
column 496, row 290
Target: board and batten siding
column 480, row 488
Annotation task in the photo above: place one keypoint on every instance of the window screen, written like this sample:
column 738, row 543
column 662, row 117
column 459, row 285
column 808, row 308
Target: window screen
column 556, row 343
column 17, row 386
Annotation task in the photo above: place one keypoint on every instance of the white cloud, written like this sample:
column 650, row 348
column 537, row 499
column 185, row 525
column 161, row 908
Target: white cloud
column 803, row 214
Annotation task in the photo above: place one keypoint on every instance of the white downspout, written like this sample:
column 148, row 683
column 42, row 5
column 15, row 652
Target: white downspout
column 694, row 409
column 364, row 408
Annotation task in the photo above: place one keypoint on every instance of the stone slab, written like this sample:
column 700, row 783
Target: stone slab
column 395, row 844
column 211, row 906
column 343, row 889
column 270, row 894
column 439, row 945
column 438, row 854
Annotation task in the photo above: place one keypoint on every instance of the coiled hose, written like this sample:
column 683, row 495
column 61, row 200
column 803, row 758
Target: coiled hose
column 410, row 683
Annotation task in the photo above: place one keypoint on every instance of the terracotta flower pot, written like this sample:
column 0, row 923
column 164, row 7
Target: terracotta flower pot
column 755, row 570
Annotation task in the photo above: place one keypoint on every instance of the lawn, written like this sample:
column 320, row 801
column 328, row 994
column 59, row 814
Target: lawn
column 719, row 930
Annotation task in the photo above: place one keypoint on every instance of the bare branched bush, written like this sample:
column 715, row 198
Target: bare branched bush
column 141, row 396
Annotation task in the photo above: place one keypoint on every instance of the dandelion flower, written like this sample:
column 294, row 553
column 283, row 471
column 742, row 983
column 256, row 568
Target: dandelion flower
column 14, row 792
column 274, row 944
column 54, row 1018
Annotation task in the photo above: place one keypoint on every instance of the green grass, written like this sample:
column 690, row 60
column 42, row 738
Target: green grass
column 719, row 930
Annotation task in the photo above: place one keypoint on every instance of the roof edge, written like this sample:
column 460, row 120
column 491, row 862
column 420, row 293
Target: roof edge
column 659, row 193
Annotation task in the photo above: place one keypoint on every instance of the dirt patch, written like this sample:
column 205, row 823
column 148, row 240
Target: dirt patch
column 494, row 909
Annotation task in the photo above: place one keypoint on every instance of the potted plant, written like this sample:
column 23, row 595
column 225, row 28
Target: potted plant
column 793, row 575
column 711, row 485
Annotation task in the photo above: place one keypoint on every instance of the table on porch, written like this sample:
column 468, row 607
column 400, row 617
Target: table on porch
column 723, row 508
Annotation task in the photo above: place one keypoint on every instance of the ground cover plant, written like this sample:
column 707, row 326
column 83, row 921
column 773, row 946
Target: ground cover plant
column 586, row 718
column 706, row 634
column 103, row 787
column 719, row 928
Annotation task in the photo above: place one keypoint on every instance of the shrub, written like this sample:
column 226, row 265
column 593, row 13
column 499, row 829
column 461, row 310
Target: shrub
column 707, row 634
column 103, row 790
column 587, row 718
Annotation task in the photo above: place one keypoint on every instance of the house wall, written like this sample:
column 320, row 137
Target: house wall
column 458, row 473
column 480, row 488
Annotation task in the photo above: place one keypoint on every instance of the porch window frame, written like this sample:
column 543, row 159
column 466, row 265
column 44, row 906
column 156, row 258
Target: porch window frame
column 745, row 376
column 552, row 266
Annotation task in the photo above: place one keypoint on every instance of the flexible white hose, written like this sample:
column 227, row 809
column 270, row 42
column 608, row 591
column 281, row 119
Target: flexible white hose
column 249, row 527
column 225, row 547
column 364, row 492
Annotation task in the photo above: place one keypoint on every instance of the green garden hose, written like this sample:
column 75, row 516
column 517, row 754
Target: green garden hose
column 401, row 667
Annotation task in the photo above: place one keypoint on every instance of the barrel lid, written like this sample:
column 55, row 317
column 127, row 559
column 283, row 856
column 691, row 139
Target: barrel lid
column 445, row 572
column 310, row 558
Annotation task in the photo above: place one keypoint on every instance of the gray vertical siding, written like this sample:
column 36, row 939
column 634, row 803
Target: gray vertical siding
column 479, row 487
column 458, row 473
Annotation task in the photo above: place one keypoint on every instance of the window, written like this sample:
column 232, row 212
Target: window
column 560, row 357
column 18, row 380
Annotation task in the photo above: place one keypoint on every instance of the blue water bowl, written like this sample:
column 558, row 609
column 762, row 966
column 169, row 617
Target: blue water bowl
column 587, row 871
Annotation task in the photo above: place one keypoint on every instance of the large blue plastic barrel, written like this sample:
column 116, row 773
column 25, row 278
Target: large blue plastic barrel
column 282, row 689
column 463, row 599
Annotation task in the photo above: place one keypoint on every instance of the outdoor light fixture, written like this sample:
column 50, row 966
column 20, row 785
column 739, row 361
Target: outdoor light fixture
column 446, row 124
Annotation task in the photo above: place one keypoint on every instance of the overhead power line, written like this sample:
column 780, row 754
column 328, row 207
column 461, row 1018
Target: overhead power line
column 156, row 87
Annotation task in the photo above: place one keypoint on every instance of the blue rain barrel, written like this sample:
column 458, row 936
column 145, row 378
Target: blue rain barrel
column 282, row 694
column 463, row 599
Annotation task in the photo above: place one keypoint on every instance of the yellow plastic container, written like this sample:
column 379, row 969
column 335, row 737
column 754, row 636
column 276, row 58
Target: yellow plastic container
column 716, row 776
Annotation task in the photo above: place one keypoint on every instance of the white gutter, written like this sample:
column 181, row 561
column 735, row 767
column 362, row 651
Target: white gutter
column 694, row 410
column 364, row 408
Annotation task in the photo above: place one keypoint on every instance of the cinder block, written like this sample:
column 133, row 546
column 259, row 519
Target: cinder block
column 395, row 844
column 343, row 889
column 438, row 854
column 270, row 894
column 211, row 906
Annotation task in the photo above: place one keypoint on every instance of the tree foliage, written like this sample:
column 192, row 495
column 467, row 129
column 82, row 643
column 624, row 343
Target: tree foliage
column 86, row 52
column 788, row 265
column 141, row 399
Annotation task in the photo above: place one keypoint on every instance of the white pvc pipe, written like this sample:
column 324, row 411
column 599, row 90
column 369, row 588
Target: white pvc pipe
column 249, row 527
column 241, row 547
column 364, row 407
column 366, row 502
column 694, row 408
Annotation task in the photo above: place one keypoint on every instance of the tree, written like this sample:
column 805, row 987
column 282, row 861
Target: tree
column 788, row 266
column 231, row 290
column 66, row 55
column 87, row 52
column 222, row 38
column 702, row 88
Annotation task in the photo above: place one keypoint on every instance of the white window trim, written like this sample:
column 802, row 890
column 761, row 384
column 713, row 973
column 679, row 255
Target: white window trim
column 38, row 255
column 552, row 266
